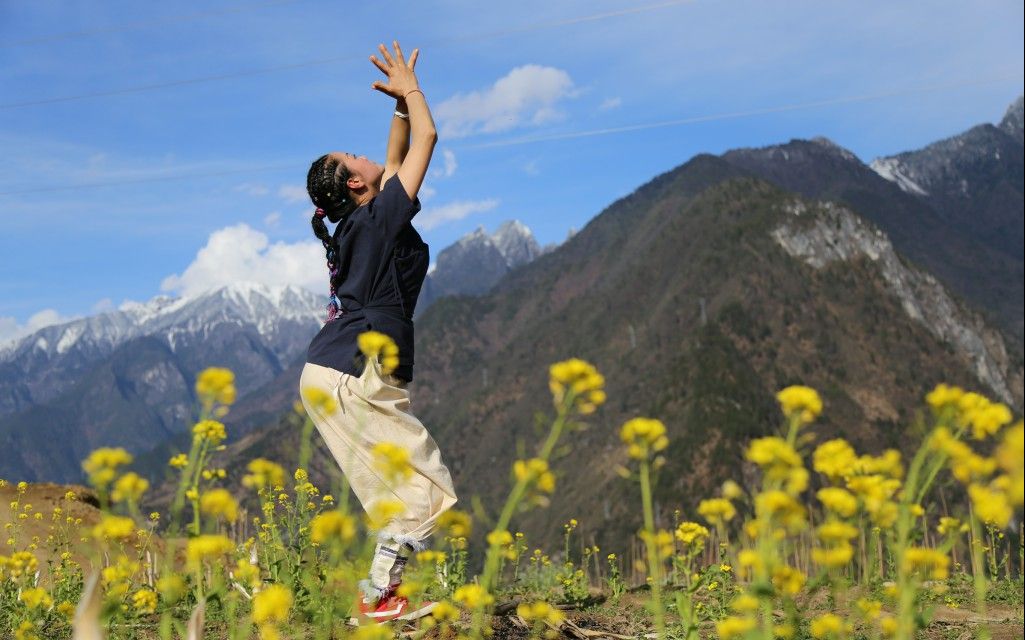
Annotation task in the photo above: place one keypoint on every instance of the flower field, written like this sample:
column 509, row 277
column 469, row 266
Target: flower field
column 828, row 543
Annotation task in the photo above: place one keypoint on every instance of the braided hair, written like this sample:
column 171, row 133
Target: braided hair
column 326, row 184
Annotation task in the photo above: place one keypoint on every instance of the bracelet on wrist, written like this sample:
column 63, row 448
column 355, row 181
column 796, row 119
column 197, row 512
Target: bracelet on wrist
column 399, row 114
column 412, row 92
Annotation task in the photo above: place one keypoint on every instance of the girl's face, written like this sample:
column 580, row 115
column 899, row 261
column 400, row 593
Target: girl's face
column 367, row 171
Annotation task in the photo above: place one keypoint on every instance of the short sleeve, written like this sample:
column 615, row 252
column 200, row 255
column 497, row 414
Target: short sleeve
column 392, row 207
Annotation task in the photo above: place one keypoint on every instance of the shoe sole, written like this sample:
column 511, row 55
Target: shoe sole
column 378, row 618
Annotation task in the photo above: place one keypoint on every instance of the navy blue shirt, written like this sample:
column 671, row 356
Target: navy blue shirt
column 382, row 262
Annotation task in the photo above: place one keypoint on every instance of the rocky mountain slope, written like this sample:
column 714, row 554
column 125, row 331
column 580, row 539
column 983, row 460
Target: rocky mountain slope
column 955, row 207
column 974, row 180
column 698, row 297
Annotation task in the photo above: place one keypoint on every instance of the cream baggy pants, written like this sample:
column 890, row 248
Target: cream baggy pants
column 374, row 408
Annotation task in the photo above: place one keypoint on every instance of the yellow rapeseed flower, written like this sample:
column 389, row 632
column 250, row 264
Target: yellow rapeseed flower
column 833, row 531
column 320, row 400
column 800, row 403
column 834, row 459
column 171, row 587
column 112, row 527
column 216, row 384
column 1010, row 456
column 473, row 596
column 535, row 473
column 930, row 563
column 662, row 541
column 987, row 418
column 129, row 487
column 717, row 511
column 332, row 525
column 144, row 600
column 839, row 501
column 582, row 379
column 36, row 597
column 392, row 460
column 991, row 506
column 888, row 464
column 943, row 397
column 731, row 490
column 870, row 609
column 833, row 557
column 948, row 525
column 378, row 347
column 271, row 605
column 263, row 473
column 643, row 436
column 455, row 523
column 745, row 603
column 210, row 430
column 367, row 632
column 775, row 456
column 179, row 461
column 220, row 504
column 102, row 465
column 444, row 611
column 381, row 512
column 828, row 625
column 207, row 547
column 780, row 507
column 541, row 611
column 734, row 627
column 692, row 534
column 788, row 580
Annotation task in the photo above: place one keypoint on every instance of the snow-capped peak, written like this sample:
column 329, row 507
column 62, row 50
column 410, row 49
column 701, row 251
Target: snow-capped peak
column 240, row 303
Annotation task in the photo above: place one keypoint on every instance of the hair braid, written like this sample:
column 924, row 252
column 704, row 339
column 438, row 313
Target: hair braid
column 325, row 183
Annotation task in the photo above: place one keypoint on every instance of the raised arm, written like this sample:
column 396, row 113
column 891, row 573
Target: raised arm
column 403, row 85
column 398, row 140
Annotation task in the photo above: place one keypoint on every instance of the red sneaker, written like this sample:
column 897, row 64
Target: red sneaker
column 392, row 607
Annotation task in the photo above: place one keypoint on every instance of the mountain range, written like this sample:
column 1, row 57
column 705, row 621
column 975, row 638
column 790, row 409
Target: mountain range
column 124, row 377
column 698, row 296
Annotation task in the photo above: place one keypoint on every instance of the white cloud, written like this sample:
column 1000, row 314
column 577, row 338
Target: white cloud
column 437, row 216
column 272, row 219
column 611, row 103
column 449, row 168
column 427, row 192
column 11, row 330
column 241, row 253
column 251, row 189
column 106, row 304
column 292, row 193
column 527, row 95
column 530, row 168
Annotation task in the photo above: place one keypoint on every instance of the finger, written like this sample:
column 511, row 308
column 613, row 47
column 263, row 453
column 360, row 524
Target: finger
column 398, row 52
column 387, row 56
column 412, row 58
column 385, row 89
column 380, row 65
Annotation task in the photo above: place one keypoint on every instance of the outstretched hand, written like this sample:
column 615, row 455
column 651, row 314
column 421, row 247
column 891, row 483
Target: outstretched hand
column 401, row 79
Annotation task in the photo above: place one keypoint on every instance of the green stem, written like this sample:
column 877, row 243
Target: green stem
column 654, row 563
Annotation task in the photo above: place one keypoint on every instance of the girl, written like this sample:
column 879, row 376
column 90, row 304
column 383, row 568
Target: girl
column 377, row 263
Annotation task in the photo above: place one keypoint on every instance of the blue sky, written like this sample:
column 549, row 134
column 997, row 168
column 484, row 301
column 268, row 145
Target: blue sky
column 162, row 148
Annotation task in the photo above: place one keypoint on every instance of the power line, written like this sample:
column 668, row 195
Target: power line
column 560, row 136
column 443, row 42
column 734, row 114
column 170, row 178
column 128, row 26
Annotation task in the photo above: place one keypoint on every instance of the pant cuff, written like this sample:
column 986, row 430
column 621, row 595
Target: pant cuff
column 402, row 538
